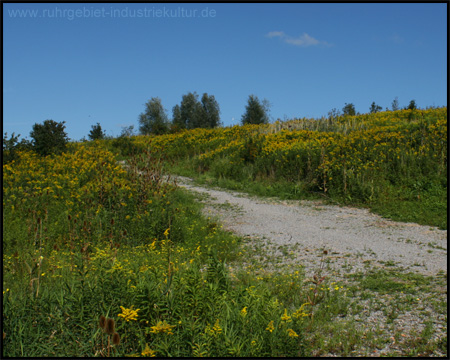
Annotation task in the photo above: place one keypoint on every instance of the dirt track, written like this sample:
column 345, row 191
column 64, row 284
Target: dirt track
column 351, row 236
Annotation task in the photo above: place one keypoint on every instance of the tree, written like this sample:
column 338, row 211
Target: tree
column 154, row 120
column 96, row 132
column 209, row 112
column 349, row 109
column 124, row 143
column 177, row 122
column 412, row 105
column 49, row 137
column 334, row 113
column 190, row 110
column 374, row 108
column 395, row 106
column 255, row 112
column 192, row 113
column 127, row 131
column 11, row 146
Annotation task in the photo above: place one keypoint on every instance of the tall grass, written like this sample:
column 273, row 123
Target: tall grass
column 86, row 239
column 101, row 259
column 393, row 162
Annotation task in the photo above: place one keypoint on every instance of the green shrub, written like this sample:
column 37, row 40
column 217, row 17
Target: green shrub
column 49, row 137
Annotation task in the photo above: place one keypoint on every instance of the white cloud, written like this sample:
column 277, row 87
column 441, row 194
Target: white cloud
column 276, row 34
column 303, row 40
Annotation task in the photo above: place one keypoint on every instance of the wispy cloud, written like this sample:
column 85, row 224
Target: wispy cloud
column 303, row 40
column 275, row 34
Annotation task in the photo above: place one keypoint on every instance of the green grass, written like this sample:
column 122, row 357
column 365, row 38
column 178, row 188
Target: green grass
column 394, row 163
column 67, row 263
column 100, row 242
column 427, row 208
column 391, row 281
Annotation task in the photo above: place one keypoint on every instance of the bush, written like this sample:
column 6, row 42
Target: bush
column 125, row 145
column 49, row 137
column 96, row 132
column 11, row 146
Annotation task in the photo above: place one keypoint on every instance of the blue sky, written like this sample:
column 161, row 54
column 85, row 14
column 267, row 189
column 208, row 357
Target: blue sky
column 84, row 63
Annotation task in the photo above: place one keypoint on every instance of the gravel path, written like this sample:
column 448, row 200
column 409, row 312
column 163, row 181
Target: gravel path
column 351, row 236
column 357, row 242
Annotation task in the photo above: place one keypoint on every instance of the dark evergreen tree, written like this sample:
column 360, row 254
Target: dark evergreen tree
column 96, row 132
column 255, row 112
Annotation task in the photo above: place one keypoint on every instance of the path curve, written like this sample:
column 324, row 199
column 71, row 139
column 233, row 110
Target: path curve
column 352, row 236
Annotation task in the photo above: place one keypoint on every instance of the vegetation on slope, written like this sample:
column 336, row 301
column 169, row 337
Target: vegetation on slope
column 394, row 162
column 102, row 260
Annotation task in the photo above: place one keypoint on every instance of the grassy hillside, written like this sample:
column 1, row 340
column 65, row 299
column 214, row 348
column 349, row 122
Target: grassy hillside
column 392, row 162
column 84, row 238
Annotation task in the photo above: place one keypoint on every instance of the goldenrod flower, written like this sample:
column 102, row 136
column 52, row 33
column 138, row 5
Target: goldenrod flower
column 285, row 316
column 292, row 333
column 148, row 352
column 244, row 311
column 215, row 330
column 129, row 314
column 161, row 327
column 300, row 312
column 166, row 233
column 217, row 327
column 270, row 327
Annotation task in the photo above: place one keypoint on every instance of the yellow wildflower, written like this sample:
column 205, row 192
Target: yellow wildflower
column 292, row 333
column 162, row 327
column 300, row 312
column 285, row 316
column 270, row 327
column 129, row 314
column 244, row 311
column 148, row 352
column 217, row 327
